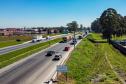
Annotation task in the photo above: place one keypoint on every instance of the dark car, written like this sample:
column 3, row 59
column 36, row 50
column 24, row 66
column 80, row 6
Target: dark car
column 73, row 42
column 50, row 53
column 67, row 48
column 80, row 37
column 62, row 42
column 57, row 57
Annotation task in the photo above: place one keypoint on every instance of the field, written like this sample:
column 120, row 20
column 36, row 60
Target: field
column 14, row 56
column 45, row 35
column 11, row 40
column 92, row 63
column 120, row 38
column 97, row 37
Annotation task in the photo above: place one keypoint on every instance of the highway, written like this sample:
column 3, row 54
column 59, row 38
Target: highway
column 20, row 46
column 33, row 70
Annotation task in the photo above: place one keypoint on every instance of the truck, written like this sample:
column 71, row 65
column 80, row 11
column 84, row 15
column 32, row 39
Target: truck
column 37, row 38
column 80, row 37
column 67, row 38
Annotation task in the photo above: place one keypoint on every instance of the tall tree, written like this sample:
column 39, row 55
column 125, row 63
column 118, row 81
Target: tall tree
column 81, row 27
column 72, row 27
column 96, row 26
column 109, row 22
column 124, row 24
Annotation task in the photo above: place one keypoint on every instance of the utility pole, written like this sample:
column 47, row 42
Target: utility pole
column 74, row 39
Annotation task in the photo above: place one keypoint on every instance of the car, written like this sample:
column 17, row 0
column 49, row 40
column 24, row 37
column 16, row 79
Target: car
column 50, row 53
column 80, row 37
column 57, row 57
column 73, row 42
column 67, row 48
column 62, row 42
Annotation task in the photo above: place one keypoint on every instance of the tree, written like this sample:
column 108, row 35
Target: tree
column 96, row 26
column 72, row 27
column 61, row 29
column 124, row 25
column 81, row 27
column 109, row 23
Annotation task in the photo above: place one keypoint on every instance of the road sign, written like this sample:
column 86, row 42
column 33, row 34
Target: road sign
column 62, row 68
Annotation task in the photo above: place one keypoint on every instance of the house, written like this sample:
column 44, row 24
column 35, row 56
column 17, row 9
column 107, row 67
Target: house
column 11, row 31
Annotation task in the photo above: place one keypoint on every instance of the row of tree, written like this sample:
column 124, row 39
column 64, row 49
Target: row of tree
column 110, row 23
column 74, row 27
column 71, row 27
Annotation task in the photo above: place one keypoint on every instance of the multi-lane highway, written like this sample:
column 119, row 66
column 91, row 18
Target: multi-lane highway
column 16, row 47
column 33, row 70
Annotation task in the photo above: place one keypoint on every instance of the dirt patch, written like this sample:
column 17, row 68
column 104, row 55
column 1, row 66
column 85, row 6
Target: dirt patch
column 62, row 79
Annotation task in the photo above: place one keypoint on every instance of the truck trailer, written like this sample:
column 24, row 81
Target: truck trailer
column 37, row 38
column 67, row 38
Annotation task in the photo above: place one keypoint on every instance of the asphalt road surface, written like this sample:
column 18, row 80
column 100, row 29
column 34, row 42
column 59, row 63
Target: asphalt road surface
column 33, row 70
column 16, row 47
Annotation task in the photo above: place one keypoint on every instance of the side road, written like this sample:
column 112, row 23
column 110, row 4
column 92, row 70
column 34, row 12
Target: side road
column 25, row 44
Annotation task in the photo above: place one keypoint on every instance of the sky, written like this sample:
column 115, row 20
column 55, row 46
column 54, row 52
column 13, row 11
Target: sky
column 48, row 13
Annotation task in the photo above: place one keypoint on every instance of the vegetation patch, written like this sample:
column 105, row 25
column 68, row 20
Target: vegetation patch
column 45, row 35
column 96, row 38
column 13, row 40
column 88, row 64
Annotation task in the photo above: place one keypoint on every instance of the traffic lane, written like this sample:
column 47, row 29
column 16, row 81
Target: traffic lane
column 33, row 75
column 49, row 71
column 52, row 64
column 16, row 47
column 22, row 71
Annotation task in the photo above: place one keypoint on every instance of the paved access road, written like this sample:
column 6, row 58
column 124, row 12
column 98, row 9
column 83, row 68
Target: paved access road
column 16, row 47
column 33, row 70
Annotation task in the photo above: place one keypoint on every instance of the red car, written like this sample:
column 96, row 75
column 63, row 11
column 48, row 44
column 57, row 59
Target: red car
column 66, row 48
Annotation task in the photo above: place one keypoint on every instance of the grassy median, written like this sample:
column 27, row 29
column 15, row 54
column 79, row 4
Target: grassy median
column 14, row 56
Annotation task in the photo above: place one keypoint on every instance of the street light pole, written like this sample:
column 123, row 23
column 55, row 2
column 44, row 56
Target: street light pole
column 74, row 39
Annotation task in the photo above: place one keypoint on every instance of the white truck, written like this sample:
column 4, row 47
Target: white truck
column 37, row 38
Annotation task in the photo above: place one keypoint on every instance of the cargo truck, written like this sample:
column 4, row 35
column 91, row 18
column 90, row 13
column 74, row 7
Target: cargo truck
column 67, row 38
column 37, row 38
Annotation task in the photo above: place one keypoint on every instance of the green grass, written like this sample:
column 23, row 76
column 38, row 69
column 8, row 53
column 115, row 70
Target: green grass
column 96, row 37
column 117, row 59
column 87, row 62
column 11, row 40
column 45, row 35
column 119, row 38
column 14, row 56
column 9, row 43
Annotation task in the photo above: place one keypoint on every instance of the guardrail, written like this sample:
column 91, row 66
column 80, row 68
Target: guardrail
column 119, row 47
